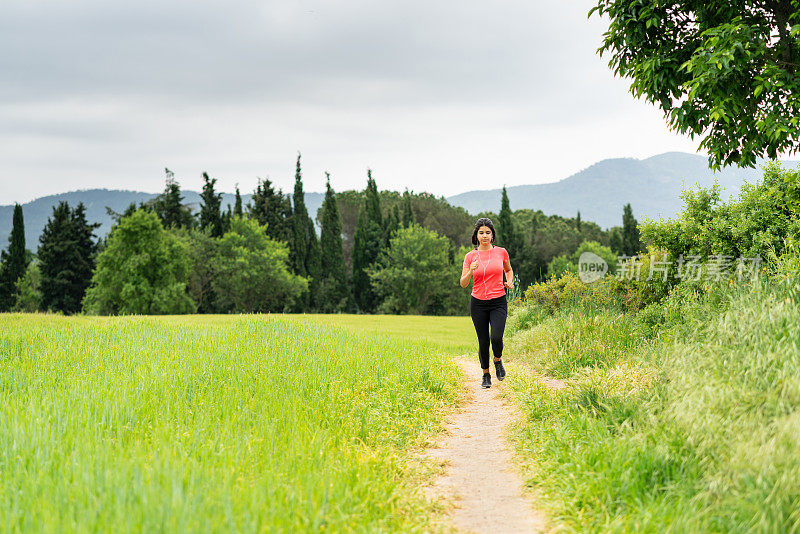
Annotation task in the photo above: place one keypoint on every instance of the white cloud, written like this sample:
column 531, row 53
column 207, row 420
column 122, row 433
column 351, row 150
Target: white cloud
column 442, row 97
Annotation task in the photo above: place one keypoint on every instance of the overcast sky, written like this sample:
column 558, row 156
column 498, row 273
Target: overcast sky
column 444, row 96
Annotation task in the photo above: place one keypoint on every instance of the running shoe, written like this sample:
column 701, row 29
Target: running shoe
column 499, row 370
column 487, row 381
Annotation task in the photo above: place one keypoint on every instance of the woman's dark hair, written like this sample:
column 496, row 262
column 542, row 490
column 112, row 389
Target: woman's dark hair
column 483, row 221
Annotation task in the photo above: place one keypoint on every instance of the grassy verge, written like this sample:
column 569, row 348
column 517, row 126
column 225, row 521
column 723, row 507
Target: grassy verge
column 685, row 418
column 213, row 423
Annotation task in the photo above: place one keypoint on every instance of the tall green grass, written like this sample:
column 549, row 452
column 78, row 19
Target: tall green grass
column 213, row 424
column 696, row 430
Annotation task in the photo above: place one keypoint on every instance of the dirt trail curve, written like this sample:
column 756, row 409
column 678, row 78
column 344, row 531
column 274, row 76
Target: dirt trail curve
column 480, row 477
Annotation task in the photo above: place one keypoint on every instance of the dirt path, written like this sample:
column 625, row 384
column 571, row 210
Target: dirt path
column 480, row 477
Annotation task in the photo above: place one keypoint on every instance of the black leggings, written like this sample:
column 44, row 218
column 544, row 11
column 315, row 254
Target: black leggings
column 485, row 313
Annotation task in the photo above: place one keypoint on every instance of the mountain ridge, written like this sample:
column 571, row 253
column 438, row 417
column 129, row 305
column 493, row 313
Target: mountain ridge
column 652, row 186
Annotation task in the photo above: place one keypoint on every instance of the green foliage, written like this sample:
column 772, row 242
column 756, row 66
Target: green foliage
column 169, row 206
column 372, row 200
column 408, row 211
column 699, row 421
column 237, row 205
column 211, row 208
column 367, row 245
column 760, row 222
column 615, row 240
column 27, row 295
column 543, row 238
column 569, row 264
column 142, row 270
column 202, row 253
column 417, row 276
column 272, row 209
column 252, row 273
column 506, row 234
column 14, row 261
column 66, row 258
column 334, row 293
column 727, row 72
column 429, row 211
column 631, row 245
column 561, row 265
column 298, row 244
column 304, row 253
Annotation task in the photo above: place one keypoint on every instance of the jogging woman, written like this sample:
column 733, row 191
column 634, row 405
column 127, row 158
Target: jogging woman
column 488, row 307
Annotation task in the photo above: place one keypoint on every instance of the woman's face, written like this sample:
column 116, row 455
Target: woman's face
column 484, row 235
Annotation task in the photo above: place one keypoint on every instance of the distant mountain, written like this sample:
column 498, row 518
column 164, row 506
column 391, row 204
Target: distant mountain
column 38, row 211
column 651, row 185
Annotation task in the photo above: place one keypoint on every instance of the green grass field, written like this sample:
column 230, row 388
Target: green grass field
column 692, row 427
column 221, row 423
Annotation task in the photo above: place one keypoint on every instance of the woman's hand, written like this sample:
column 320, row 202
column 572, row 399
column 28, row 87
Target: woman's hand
column 473, row 266
column 509, row 284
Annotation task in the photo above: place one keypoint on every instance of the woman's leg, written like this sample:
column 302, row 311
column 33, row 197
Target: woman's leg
column 480, row 318
column 497, row 319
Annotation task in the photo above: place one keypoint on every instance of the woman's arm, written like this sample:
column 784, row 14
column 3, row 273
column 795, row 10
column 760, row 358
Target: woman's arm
column 466, row 273
column 509, row 283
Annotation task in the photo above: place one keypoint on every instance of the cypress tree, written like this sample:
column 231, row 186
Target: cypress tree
column 13, row 262
column 367, row 243
column 506, row 236
column 313, row 264
column 66, row 258
column 333, row 291
column 85, row 253
column 578, row 221
column 393, row 219
column 408, row 213
column 298, row 245
column 372, row 200
column 615, row 240
column 169, row 205
column 210, row 210
column 271, row 209
column 237, row 206
column 630, row 232
column 227, row 216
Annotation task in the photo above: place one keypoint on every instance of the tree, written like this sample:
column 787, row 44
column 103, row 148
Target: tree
column 416, row 276
column 143, row 270
column 14, row 261
column 202, row 251
column 725, row 71
column 298, row 244
column 85, row 252
column 66, row 258
column 304, row 246
column 578, row 221
column 169, row 205
column 615, row 240
column 630, row 232
column 272, row 209
column 396, row 220
column 252, row 271
column 367, row 244
column 28, row 297
column 210, row 210
column 506, row 236
column 408, row 212
column 237, row 206
column 372, row 200
column 334, row 295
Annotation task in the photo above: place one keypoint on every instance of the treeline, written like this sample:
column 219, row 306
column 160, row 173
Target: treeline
column 363, row 252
